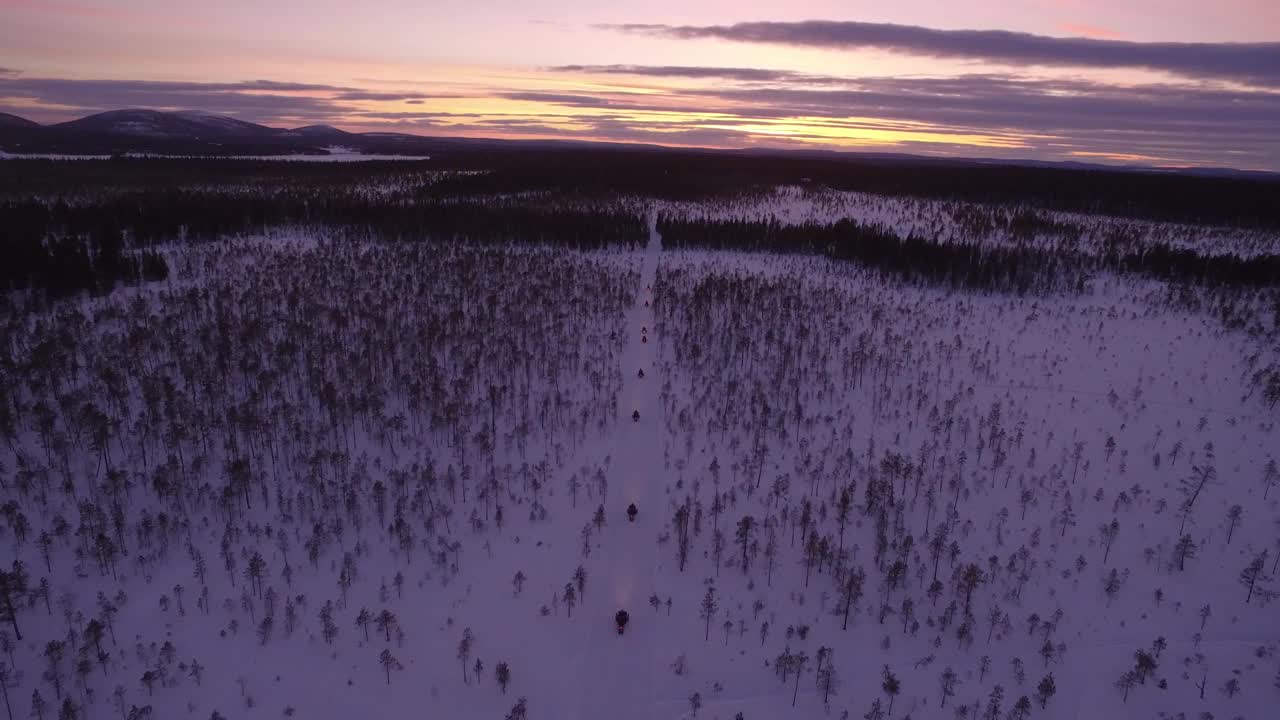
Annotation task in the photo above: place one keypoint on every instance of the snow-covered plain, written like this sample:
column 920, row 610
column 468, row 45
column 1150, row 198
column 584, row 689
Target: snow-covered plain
column 299, row 429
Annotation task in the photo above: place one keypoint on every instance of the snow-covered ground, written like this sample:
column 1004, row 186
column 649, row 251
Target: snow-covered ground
column 291, row 430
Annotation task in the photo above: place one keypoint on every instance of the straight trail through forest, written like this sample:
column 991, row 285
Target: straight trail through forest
column 617, row 677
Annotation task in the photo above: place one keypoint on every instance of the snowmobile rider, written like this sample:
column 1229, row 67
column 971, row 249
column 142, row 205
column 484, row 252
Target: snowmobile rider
column 632, row 512
column 621, row 618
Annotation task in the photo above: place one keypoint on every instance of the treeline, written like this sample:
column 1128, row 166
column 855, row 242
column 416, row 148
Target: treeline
column 1240, row 201
column 1184, row 265
column 157, row 217
column 697, row 175
column 62, row 265
column 914, row 259
column 700, row 174
column 23, row 178
column 63, row 247
column 1019, row 269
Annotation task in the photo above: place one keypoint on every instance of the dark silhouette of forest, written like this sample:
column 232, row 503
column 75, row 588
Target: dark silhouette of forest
column 698, row 174
column 1020, row 269
column 915, row 259
column 103, row 227
column 71, row 226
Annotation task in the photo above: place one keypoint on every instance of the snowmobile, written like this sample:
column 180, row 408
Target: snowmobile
column 632, row 512
column 635, row 416
column 644, row 338
column 641, row 372
column 621, row 619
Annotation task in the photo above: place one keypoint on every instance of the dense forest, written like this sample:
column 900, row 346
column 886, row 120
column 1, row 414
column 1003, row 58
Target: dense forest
column 91, row 237
column 72, row 226
column 698, row 174
column 911, row 258
column 965, row 265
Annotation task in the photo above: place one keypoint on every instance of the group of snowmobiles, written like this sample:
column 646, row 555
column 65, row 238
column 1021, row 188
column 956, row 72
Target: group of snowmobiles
column 644, row 337
column 622, row 617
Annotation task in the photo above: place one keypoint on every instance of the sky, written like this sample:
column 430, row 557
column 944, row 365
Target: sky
column 1165, row 82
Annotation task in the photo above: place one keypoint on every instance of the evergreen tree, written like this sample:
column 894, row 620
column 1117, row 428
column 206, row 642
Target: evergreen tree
column 1046, row 690
column 464, row 652
column 891, row 686
column 949, row 681
column 1250, row 576
column 709, row 607
column 1184, row 550
column 385, row 621
column 994, row 701
column 828, row 681
column 520, row 711
column 38, row 704
column 851, row 592
column 389, row 663
column 13, row 586
column 746, row 527
column 1021, row 708
column 502, row 673
column 570, row 597
column 1126, row 682
column 363, row 618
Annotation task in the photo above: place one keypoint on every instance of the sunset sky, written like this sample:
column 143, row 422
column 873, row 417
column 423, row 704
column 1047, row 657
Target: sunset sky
column 1177, row 82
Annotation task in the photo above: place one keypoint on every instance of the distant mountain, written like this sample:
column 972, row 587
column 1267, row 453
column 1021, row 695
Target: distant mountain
column 192, row 133
column 196, row 133
column 13, row 121
column 320, row 132
column 155, row 124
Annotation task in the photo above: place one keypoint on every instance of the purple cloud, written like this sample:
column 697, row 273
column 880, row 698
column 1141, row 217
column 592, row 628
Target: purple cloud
column 563, row 99
column 257, row 100
column 381, row 96
column 1257, row 63
column 684, row 71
